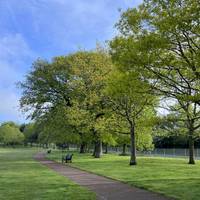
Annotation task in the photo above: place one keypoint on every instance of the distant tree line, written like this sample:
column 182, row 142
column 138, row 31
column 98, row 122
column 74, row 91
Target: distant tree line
column 10, row 134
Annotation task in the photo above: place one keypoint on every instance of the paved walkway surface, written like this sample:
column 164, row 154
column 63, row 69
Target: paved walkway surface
column 105, row 188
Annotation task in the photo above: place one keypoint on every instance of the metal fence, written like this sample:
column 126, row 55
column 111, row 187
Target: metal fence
column 161, row 152
column 175, row 152
column 172, row 152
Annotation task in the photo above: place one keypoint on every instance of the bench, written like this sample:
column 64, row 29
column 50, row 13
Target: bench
column 67, row 158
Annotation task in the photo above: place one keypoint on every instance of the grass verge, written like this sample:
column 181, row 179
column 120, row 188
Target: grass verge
column 23, row 178
column 172, row 177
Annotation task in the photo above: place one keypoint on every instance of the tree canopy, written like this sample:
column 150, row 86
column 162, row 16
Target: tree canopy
column 160, row 39
column 10, row 134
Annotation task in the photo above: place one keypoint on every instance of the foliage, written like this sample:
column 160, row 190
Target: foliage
column 160, row 39
column 130, row 98
column 67, row 89
column 45, row 87
column 30, row 133
column 53, row 127
column 10, row 134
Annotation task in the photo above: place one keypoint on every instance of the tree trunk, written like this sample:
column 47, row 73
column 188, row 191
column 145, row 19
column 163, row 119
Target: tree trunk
column 93, row 154
column 191, row 150
column 133, row 146
column 106, row 148
column 83, row 147
column 124, row 149
column 97, row 149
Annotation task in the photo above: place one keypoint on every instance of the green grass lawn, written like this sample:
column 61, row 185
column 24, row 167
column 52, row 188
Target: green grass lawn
column 169, row 176
column 22, row 178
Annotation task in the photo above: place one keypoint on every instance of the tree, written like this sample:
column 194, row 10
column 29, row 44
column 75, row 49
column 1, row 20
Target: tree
column 30, row 134
column 45, row 94
column 46, row 86
column 117, row 131
column 74, row 84
column 89, row 72
column 22, row 127
column 10, row 134
column 123, row 140
column 11, row 124
column 54, row 127
column 129, row 98
column 162, row 40
column 106, row 127
column 173, row 128
column 80, row 120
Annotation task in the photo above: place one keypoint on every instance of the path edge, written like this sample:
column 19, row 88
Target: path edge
column 111, row 178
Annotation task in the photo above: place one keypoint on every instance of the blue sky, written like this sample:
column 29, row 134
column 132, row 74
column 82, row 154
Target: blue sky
column 45, row 28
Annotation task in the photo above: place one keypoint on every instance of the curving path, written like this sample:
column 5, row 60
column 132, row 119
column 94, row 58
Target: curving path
column 105, row 188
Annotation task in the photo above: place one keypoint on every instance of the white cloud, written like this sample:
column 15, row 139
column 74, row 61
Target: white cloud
column 50, row 27
column 63, row 25
column 14, row 46
column 9, row 105
column 13, row 60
